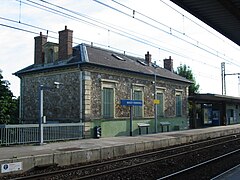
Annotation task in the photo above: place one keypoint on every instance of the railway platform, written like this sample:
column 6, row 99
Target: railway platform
column 20, row 158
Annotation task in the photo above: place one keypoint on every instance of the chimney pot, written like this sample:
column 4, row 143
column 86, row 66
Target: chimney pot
column 168, row 64
column 148, row 58
column 65, row 43
column 38, row 49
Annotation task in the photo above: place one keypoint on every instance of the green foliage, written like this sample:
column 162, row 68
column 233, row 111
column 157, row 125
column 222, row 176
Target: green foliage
column 8, row 103
column 186, row 72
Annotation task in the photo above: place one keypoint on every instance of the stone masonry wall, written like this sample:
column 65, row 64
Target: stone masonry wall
column 123, row 89
column 59, row 104
column 63, row 104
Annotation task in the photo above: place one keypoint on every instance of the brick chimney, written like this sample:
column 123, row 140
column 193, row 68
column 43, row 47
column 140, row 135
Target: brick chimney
column 65, row 44
column 148, row 58
column 38, row 51
column 168, row 64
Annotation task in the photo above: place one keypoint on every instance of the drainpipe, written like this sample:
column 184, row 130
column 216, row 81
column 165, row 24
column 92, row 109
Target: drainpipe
column 81, row 95
column 82, row 57
column 21, row 102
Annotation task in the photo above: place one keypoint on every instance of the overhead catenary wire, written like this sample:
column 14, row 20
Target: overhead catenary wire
column 20, row 11
column 199, row 25
column 156, row 21
column 137, row 37
column 171, row 51
column 26, row 24
column 200, row 74
column 132, row 35
column 129, row 36
column 129, row 16
column 198, row 58
column 147, row 23
column 160, row 48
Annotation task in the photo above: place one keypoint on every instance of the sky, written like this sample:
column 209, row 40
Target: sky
column 130, row 26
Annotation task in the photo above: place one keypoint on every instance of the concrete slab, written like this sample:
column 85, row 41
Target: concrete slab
column 130, row 148
column 119, row 150
column 107, row 152
column 27, row 162
column 78, row 157
column 139, row 146
column 148, row 145
column 62, row 158
column 43, row 159
column 93, row 154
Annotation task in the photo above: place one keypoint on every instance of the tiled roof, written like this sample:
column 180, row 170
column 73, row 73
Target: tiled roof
column 121, row 61
column 102, row 57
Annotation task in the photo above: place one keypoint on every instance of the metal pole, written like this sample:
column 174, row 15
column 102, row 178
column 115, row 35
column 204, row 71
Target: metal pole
column 40, row 114
column 223, row 78
column 155, row 97
column 131, row 119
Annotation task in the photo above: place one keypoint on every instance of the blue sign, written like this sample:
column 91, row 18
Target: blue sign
column 128, row 102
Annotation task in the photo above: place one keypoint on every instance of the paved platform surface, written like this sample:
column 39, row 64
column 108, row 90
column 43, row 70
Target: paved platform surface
column 86, row 150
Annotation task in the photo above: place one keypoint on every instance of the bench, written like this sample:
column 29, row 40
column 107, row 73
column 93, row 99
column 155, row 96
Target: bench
column 143, row 125
column 167, row 124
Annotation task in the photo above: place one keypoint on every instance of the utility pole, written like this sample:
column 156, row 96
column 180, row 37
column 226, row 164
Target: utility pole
column 224, row 77
column 155, row 96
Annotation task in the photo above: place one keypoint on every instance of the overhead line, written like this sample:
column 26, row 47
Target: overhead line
column 83, row 40
column 198, row 24
column 20, row 29
column 170, row 34
column 216, row 51
column 135, row 38
column 37, row 27
column 141, row 40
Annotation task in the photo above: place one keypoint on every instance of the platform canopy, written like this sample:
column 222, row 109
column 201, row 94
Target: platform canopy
column 221, row 15
column 210, row 98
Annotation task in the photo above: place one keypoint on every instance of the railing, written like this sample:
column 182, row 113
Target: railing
column 29, row 133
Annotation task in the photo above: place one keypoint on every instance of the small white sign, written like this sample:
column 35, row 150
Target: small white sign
column 10, row 167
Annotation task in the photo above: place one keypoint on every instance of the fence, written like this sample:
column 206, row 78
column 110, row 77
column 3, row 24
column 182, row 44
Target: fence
column 29, row 133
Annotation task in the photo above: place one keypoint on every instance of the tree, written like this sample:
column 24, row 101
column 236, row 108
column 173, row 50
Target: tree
column 185, row 71
column 8, row 103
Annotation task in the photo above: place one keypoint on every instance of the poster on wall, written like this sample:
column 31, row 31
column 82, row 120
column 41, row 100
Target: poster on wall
column 207, row 115
column 216, row 118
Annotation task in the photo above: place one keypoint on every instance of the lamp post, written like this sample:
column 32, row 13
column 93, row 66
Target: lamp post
column 40, row 119
column 155, row 96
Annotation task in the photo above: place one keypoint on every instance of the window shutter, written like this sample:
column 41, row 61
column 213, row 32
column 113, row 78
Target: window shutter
column 108, row 102
column 160, row 106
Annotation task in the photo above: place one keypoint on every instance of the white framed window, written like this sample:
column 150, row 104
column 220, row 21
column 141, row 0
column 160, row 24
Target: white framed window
column 108, row 98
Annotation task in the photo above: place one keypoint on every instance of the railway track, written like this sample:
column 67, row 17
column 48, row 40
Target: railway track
column 203, row 167
column 151, row 165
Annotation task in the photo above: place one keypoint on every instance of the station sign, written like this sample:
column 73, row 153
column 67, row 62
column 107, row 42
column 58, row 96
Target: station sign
column 156, row 101
column 129, row 102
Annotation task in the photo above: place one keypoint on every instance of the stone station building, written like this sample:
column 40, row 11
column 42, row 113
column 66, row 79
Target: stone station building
column 94, row 81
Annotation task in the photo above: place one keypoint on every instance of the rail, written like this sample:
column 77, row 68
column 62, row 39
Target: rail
column 29, row 133
column 121, row 167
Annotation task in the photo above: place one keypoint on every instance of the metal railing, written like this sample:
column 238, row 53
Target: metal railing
column 29, row 133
